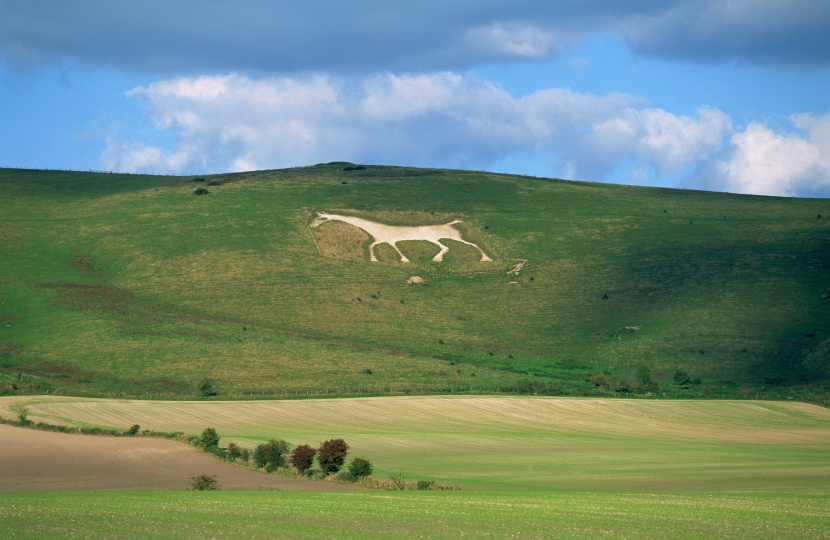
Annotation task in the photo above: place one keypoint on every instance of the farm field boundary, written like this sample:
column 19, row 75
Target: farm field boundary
column 511, row 442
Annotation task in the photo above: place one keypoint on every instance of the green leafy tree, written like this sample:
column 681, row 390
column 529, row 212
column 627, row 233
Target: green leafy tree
column 210, row 438
column 271, row 453
column 332, row 454
column 360, row 467
column 302, row 457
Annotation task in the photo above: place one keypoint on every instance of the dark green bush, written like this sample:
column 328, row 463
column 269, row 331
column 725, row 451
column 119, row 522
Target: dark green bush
column 22, row 414
column 360, row 467
column 234, row 451
column 133, row 429
column 203, row 482
column 271, row 453
column 210, row 438
column 681, row 378
column 205, row 388
column 424, row 484
column 346, row 476
column 201, row 191
column 216, row 451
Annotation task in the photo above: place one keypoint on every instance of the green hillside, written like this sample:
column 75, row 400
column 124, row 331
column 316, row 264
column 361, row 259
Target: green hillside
column 133, row 285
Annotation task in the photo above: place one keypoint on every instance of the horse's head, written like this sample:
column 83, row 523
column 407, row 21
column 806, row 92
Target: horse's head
column 321, row 218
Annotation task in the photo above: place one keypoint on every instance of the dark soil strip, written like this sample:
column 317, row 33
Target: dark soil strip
column 34, row 460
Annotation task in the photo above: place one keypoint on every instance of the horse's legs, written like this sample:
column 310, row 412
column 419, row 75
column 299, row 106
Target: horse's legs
column 440, row 256
column 372, row 251
column 403, row 257
column 484, row 257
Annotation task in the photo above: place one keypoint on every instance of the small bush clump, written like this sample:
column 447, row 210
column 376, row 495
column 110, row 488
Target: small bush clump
column 210, row 438
column 203, row 482
column 346, row 476
column 201, row 191
column 234, row 452
column 681, row 378
column 360, row 467
column 271, row 453
column 205, row 388
column 133, row 429
column 22, row 414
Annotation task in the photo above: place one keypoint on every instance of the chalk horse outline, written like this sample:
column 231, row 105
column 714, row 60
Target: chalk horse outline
column 391, row 234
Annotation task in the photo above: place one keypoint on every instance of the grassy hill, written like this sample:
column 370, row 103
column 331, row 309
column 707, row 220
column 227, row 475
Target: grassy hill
column 133, row 285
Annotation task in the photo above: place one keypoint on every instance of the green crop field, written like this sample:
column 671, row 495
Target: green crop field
column 130, row 285
column 413, row 515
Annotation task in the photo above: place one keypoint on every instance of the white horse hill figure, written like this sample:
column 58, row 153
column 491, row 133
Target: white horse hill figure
column 390, row 234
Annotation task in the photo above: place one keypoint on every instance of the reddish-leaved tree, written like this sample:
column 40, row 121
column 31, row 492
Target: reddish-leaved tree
column 332, row 454
column 302, row 457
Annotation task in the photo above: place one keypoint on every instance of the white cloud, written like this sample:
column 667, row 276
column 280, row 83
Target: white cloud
column 522, row 41
column 761, row 161
column 434, row 119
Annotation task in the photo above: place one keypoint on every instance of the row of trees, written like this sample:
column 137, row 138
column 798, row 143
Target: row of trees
column 331, row 455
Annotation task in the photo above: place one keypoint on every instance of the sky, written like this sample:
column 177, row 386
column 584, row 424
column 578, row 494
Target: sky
column 723, row 95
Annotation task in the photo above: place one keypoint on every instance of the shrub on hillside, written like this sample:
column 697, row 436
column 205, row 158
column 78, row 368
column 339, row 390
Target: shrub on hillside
column 271, row 453
column 205, row 388
column 644, row 379
column 360, row 467
column 234, row 451
column 210, row 438
column 346, row 476
column 22, row 414
column 538, row 387
column 597, row 378
column 203, row 482
column 681, row 378
column 332, row 454
column 133, row 429
column 201, row 191
column 302, row 457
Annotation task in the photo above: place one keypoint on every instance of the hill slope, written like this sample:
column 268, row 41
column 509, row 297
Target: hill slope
column 125, row 284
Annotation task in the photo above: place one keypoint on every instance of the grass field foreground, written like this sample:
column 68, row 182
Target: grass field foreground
column 414, row 515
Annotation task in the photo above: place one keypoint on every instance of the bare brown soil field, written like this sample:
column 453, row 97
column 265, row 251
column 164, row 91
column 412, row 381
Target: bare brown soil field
column 46, row 461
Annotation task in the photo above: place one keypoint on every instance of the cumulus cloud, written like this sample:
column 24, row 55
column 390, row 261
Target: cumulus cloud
column 758, row 160
column 211, row 35
column 435, row 119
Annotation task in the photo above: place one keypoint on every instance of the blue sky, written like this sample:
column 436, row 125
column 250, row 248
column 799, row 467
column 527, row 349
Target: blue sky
column 721, row 95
